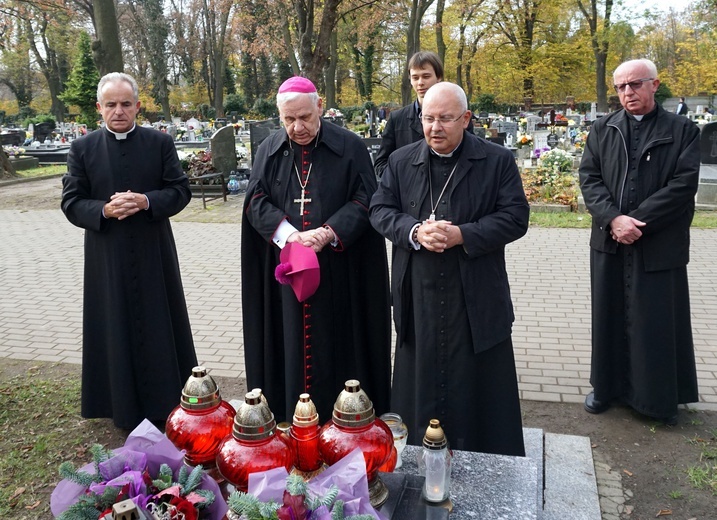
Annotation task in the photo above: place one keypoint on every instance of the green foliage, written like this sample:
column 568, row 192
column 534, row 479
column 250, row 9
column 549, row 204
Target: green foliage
column 663, row 92
column 81, row 86
column 265, row 108
column 88, row 505
column 486, row 103
column 235, row 103
column 249, row 506
column 41, row 118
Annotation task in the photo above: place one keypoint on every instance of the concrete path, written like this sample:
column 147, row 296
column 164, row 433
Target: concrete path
column 41, row 297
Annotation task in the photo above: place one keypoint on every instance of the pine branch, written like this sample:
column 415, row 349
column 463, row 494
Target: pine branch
column 208, row 497
column 68, row 472
column 296, row 485
column 193, row 480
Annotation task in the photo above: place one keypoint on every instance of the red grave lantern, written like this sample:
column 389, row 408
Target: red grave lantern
column 254, row 445
column 354, row 425
column 201, row 421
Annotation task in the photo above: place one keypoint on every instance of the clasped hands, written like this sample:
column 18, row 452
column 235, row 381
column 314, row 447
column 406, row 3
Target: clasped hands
column 125, row 204
column 316, row 239
column 625, row 230
column 439, row 235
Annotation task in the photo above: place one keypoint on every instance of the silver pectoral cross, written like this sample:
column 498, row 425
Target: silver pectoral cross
column 301, row 201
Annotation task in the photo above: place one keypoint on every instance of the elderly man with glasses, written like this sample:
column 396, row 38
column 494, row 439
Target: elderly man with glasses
column 639, row 176
column 450, row 203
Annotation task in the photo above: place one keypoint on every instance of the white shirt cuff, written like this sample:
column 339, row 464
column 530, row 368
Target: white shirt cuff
column 282, row 233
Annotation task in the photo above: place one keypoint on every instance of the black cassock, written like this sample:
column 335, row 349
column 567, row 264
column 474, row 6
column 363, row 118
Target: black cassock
column 137, row 341
column 343, row 331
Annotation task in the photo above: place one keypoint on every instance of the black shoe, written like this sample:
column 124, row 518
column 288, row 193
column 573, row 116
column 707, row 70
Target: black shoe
column 670, row 421
column 592, row 405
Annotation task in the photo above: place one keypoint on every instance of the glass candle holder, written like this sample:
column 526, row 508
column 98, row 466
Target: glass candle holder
column 400, row 433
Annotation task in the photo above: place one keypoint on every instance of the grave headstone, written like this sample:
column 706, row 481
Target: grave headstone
column 260, row 130
column 593, row 111
column 532, row 123
column 224, row 156
column 13, row 138
column 479, row 131
column 372, row 145
column 552, row 140
column 42, row 131
column 511, row 131
column 708, row 144
column 540, row 139
column 172, row 130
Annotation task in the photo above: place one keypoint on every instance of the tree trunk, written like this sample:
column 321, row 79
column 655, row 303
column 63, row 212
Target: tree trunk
column 7, row 170
column 330, row 76
column 440, row 43
column 106, row 49
column 413, row 44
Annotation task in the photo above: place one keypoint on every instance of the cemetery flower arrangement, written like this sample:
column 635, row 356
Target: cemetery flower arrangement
column 338, row 493
column 333, row 112
column 199, row 164
column 556, row 160
column 242, row 152
column 298, row 503
column 13, row 151
column 148, row 470
column 524, row 140
column 553, row 180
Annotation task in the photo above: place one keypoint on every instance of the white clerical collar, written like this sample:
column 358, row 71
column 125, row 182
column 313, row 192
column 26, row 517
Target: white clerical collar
column 638, row 117
column 120, row 136
column 449, row 154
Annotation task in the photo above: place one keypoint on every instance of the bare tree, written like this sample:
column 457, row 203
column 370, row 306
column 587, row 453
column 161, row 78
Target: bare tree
column 599, row 40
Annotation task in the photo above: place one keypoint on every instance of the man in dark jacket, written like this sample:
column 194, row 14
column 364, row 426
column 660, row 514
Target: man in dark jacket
column 311, row 184
column 639, row 176
column 123, row 184
column 682, row 108
column 449, row 204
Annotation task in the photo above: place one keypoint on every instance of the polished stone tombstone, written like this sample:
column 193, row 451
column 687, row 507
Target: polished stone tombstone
column 552, row 140
column 260, row 130
column 372, row 145
column 532, row 123
column 222, row 145
column 511, row 131
column 708, row 144
column 42, row 131
column 707, row 188
column 540, row 139
column 12, row 138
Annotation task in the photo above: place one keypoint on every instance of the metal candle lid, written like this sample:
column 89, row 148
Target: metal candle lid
column 434, row 439
column 200, row 392
column 254, row 420
column 353, row 408
column 305, row 413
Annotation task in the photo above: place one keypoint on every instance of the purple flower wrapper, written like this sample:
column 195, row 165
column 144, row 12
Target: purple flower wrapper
column 348, row 475
column 144, row 441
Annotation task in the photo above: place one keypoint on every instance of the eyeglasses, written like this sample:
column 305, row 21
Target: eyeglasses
column 443, row 120
column 634, row 85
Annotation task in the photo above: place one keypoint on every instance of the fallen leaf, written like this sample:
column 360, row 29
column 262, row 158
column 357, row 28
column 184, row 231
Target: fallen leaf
column 664, row 512
column 593, row 445
column 33, row 506
column 626, row 472
column 18, row 492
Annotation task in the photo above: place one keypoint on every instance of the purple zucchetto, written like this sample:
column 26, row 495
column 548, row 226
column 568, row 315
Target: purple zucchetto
column 297, row 84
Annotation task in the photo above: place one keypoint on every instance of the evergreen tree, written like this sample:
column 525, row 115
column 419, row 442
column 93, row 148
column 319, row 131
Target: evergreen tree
column 81, row 86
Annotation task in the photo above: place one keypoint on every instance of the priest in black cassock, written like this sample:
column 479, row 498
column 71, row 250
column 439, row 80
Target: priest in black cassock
column 311, row 183
column 450, row 204
column 639, row 177
column 123, row 184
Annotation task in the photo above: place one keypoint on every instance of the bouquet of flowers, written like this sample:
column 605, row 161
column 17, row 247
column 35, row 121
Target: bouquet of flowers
column 149, row 470
column 340, row 492
column 557, row 160
column 523, row 140
column 333, row 112
column 13, row 151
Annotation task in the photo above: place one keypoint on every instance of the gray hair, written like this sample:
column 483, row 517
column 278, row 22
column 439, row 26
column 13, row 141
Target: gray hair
column 290, row 96
column 446, row 87
column 649, row 65
column 117, row 77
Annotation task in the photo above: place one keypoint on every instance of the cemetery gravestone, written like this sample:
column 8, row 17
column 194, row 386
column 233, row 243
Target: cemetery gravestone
column 260, row 130
column 540, row 139
column 708, row 144
column 552, row 140
column 532, row 123
column 224, row 157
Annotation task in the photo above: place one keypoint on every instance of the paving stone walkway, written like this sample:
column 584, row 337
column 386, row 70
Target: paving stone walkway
column 41, row 280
